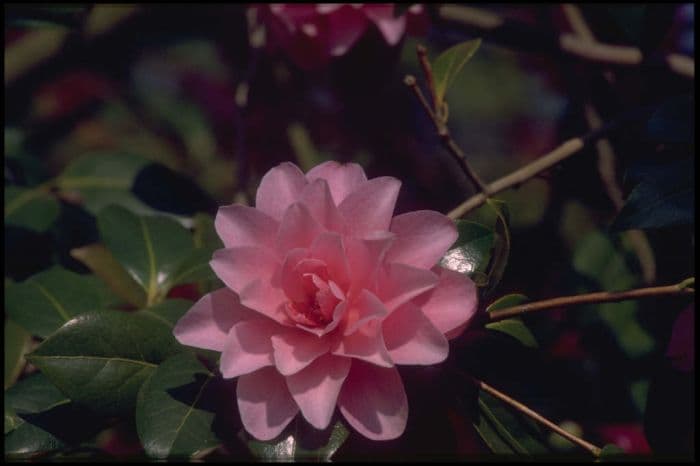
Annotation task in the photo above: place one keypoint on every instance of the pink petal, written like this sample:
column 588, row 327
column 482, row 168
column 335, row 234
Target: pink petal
column 367, row 343
column 239, row 267
column 279, row 188
column 264, row 402
column 422, row 238
column 451, row 303
column 295, row 349
column 239, row 225
column 373, row 401
column 342, row 179
column 345, row 26
column 315, row 389
column 370, row 206
column 209, row 320
column 248, row 347
column 328, row 247
column 400, row 283
column 260, row 297
column 316, row 196
column 365, row 307
column 412, row 339
column 364, row 258
column 298, row 229
column 383, row 16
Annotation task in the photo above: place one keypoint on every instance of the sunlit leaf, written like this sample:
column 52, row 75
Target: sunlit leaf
column 471, row 251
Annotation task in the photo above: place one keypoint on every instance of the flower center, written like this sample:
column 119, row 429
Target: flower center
column 316, row 304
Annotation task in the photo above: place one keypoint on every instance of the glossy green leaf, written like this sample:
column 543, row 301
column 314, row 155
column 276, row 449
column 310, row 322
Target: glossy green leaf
column 103, row 264
column 17, row 342
column 449, row 63
column 507, row 432
column 299, row 442
column 43, row 419
column 100, row 359
column 150, row 248
column 501, row 251
column 104, row 178
column 664, row 197
column 506, row 301
column 174, row 414
column 472, row 250
column 193, row 268
column 516, row 329
column 47, row 300
column 34, row 209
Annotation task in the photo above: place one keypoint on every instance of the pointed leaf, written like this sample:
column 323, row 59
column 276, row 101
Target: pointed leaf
column 100, row 359
column 34, row 209
column 506, row 301
column 449, row 63
column 47, row 300
column 470, row 253
column 174, row 414
column 17, row 342
column 501, row 252
column 516, row 329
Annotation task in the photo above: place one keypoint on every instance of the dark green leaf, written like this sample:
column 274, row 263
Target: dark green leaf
column 101, row 359
column 501, row 252
column 17, row 342
column 193, row 268
column 449, row 63
column 610, row 452
column 174, row 413
column 516, row 329
column 508, row 300
column 47, row 300
column 150, row 248
column 103, row 264
column 34, row 209
column 665, row 199
column 472, row 250
column 103, row 179
column 169, row 191
column 205, row 235
column 167, row 312
column 299, row 442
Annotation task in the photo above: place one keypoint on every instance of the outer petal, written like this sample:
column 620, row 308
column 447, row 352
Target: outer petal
column 279, row 188
column 295, row 349
column 422, row 238
column 265, row 404
column 345, row 26
column 367, row 343
column 412, row 339
column 365, row 307
column 298, row 229
column 317, row 197
column 364, row 258
column 248, row 347
column 371, row 205
column 315, row 389
column 342, row 179
column 208, row 322
column 452, row 303
column 239, row 225
column 400, row 283
column 373, row 401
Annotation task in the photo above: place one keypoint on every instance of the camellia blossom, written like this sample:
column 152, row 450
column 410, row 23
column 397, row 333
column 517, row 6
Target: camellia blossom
column 313, row 33
column 325, row 294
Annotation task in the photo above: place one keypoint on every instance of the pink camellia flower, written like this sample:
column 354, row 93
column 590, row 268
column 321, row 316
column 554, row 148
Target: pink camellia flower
column 313, row 33
column 325, row 294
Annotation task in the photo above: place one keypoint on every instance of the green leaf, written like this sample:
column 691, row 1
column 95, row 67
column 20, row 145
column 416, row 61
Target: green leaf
column 174, row 413
column 17, row 342
column 42, row 419
column 516, row 329
column 610, row 452
column 449, row 63
column 507, row 432
column 506, row 301
column 472, row 250
column 34, row 209
column 47, row 300
column 299, row 442
column 104, row 178
column 501, row 252
column 150, row 248
column 193, row 268
column 103, row 264
column 303, row 147
column 101, row 359
column 663, row 199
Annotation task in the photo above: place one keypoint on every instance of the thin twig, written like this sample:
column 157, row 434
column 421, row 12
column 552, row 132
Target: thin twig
column 594, row 450
column 519, row 34
column 427, row 71
column 592, row 298
column 446, row 138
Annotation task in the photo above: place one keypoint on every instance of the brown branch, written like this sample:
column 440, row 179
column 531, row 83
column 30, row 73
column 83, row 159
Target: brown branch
column 594, row 450
column 593, row 298
column 446, row 138
column 519, row 34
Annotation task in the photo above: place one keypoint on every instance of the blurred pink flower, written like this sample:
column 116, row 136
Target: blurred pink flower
column 325, row 294
column 681, row 348
column 312, row 34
